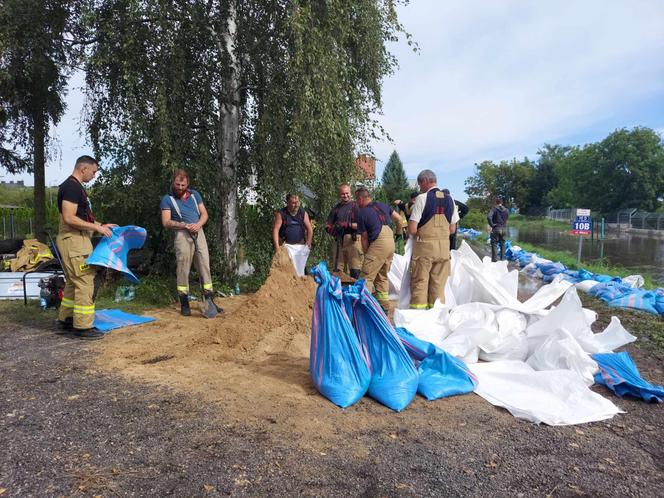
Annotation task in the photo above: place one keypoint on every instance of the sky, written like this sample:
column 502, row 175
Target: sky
column 493, row 81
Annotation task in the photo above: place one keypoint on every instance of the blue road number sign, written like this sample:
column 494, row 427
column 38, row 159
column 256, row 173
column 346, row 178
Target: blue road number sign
column 582, row 225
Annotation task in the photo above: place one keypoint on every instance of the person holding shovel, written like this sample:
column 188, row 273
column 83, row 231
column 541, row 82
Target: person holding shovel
column 183, row 211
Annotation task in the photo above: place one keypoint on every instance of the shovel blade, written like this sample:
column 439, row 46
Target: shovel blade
column 208, row 309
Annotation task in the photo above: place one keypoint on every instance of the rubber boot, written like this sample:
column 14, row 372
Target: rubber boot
column 185, row 310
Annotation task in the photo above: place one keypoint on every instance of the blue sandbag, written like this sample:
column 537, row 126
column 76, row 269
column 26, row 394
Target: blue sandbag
column 441, row 374
column 111, row 252
column 394, row 377
column 337, row 364
column 659, row 300
column 618, row 372
column 619, row 295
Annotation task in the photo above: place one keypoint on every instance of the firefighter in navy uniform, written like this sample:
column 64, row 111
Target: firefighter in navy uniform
column 342, row 225
column 377, row 243
column 77, row 224
column 431, row 223
column 291, row 224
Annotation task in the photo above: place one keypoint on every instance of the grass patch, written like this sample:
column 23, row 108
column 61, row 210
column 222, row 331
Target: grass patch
column 569, row 260
column 537, row 222
column 30, row 314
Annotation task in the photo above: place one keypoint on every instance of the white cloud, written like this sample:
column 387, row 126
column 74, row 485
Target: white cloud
column 496, row 80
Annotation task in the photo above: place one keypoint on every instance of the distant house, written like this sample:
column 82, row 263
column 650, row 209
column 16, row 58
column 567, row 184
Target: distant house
column 366, row 166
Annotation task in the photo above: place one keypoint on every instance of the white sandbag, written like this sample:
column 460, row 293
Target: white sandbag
column 634, row 281
column 586, row 285
column 472, row 315
column 613, row 337
column 553, row 397
column 299, row 253
column 404, row 288
column 561, row 351
column 510, row 343
column 395, row 275
column 428, row 325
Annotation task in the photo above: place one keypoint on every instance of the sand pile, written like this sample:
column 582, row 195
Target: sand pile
column 277, row 318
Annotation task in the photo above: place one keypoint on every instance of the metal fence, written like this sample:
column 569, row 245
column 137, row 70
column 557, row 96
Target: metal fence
column 561, row 214
column 633, row 218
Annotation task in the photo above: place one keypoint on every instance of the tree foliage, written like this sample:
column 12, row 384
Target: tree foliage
column 165, row 77
column 36, row 57
column 394, row 181
column 626, row 169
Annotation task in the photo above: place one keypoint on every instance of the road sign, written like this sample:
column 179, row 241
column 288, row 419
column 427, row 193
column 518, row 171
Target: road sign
column 583, row 212
column 582, row 225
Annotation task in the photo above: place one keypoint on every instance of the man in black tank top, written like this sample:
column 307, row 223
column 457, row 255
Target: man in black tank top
column 291, row 224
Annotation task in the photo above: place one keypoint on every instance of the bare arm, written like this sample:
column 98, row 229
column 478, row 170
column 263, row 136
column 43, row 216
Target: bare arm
column 397, row 221
column 453, row 227
column 275, row 230
column 167, row 222
column 308, row 229
column 412, row 227
column 70, row 218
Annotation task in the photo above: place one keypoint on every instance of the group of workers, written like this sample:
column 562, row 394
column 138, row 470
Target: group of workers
column 365, row 242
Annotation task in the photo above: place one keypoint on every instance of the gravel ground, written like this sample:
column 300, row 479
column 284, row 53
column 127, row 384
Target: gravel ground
column 68, row 430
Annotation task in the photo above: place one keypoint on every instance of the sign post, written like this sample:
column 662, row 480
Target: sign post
column 582, row 225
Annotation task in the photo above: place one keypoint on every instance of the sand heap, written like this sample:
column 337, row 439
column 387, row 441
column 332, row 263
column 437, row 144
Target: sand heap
column 277, row 318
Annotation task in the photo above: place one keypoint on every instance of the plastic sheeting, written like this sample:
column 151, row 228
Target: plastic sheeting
column 107, row 320
column 111, row 252
column 394, row 378
column 618, row 372
column 440, row 374
column 337, row 363
column 298, row 253
column 553, row 397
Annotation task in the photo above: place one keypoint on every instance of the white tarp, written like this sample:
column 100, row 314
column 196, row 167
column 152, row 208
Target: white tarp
column 553, row 397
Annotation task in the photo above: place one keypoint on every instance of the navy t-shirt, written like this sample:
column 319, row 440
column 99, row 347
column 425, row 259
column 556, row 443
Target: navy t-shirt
column 188, row 208
column 372, row 218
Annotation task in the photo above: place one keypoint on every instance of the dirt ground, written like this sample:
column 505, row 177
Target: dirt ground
column 195, row 407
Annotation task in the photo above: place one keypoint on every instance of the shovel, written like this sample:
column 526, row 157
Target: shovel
column 207, row 306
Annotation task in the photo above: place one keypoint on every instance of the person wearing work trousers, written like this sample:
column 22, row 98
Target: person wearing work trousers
column 431, row 223
column 183, row 211
column 377, row 238
column 77, row 224
column 342, row 225
column 497, row 219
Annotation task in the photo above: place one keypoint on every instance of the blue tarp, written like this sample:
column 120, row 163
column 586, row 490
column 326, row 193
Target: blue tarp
column 337, row 363
column 394, row 378
column 107, row 320
column 618, row 372
column 441, row 374
column 111, row 252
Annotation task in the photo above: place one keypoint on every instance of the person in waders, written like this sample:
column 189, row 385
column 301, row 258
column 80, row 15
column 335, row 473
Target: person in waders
column 497, row 219
column 291, row 224
column 431, row 223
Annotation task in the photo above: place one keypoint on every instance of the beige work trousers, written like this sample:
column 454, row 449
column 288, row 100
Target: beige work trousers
column 185, row 253
column 77, row 296
column 376, row 265
column 430, row 269
column 350, row 257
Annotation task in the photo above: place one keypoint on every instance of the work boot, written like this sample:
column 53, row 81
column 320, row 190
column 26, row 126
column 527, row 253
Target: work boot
column 91, row 334
column 185, row 310
column 64, row 327
column 209, row 295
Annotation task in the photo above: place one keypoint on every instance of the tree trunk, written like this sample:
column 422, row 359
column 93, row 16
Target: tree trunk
column 228, row 145
column 39, row 156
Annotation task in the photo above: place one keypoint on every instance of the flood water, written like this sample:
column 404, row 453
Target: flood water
column 632, row 251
